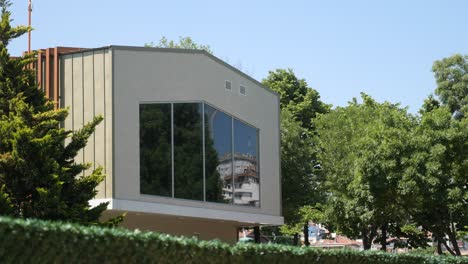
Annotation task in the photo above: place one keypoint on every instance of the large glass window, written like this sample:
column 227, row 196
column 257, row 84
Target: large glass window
column 197, row 152
column 246, row 177
column 155, row 149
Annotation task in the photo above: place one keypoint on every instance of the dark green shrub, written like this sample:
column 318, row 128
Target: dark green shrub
column 36, row 241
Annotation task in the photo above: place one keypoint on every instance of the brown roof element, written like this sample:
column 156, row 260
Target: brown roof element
column 47, row 70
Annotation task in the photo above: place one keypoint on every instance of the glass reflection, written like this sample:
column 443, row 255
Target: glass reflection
column 246, row 177
column 228, row 179
column 188, row 151
column 155, row 149
column 218, row 155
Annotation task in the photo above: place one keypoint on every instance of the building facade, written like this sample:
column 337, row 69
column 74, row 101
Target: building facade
column 189, row 144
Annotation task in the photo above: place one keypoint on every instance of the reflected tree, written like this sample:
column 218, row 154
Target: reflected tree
column 155, row 149
column 188, row 151
column 214, row 183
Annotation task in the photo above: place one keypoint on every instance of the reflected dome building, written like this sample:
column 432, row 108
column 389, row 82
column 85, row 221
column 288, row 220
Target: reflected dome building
column 245, row 185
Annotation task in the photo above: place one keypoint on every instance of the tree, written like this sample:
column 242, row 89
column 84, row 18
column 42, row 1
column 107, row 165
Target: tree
column 438, row 174
column 296, row 166
column 38, row 174
column 184, row 43
column 364, row 147
column 452, row 83
column 438, row 167
column 296, row 96
column 305, row 215
column 300, row 185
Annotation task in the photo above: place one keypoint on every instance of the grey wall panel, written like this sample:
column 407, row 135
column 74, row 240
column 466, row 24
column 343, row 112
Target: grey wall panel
column 155, row 76
column 84, row 84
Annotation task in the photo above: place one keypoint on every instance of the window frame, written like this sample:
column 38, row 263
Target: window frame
column 244, row 88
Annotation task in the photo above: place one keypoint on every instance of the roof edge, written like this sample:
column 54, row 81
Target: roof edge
column 83, row 50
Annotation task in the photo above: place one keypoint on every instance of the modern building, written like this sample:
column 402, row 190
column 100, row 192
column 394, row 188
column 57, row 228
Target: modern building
column 190, row 145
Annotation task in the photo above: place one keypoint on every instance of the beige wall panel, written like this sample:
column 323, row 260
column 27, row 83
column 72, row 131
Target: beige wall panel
column 88, row 106
column 86, row 82
column 66, row 69
column 151, row 76
column 108, row 99
column 78, row 98
column 99, row 109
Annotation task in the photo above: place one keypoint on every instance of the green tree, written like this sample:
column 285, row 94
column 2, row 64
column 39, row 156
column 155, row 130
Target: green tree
column 305, row 215
column 300, row 185
column 296, row 96
column 452, row 83
column 183, row 43
column 38, row 176
column 438, row 168
column 438, row 175
column 364, row 147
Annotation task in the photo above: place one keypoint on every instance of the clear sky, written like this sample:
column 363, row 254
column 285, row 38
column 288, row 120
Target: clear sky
column 383, row 48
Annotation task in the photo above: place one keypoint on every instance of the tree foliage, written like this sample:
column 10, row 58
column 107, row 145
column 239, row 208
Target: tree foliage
column 183, row 43
column 364, row 148
column 438, row 167
column 385, row 171
column 437, row 174
column 451, row 75
column 300, row 184
column 38, row 174
column 296, row 96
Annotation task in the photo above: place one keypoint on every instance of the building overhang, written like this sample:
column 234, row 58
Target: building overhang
column 242, row 218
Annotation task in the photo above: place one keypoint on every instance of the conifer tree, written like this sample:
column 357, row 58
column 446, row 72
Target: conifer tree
column 38, row 175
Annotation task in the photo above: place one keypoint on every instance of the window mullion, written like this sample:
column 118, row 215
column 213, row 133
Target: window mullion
column 172, row 148
column 203, row 152
column 232, row 158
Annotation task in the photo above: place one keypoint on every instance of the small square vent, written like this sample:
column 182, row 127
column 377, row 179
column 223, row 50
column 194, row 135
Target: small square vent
column 227, row 85
column 242, row 90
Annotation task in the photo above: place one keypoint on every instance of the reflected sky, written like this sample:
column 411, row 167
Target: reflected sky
column 220, row 128
column 245, row 137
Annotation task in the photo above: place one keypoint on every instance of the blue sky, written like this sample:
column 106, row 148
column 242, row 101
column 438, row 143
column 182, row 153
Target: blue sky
column 383, row 48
